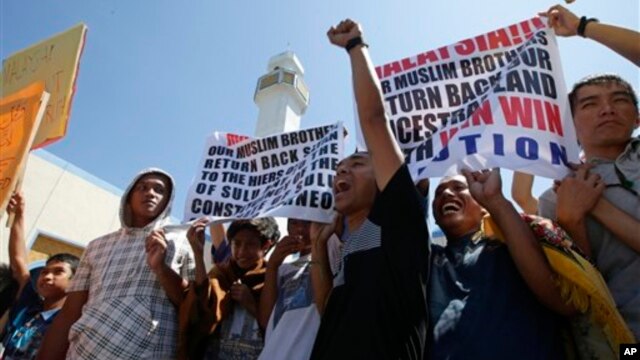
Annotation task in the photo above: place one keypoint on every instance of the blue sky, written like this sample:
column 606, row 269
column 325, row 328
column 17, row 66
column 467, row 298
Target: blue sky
column 157, row 76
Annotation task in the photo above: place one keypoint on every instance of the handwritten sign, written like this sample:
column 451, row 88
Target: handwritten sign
column 54, row 61
column 20, row 116
column 494, row 100
column 288, row 174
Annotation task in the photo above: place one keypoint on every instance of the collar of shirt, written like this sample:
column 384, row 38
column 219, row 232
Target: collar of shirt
column 626, row 164
column 46, row 315
column 630, row 153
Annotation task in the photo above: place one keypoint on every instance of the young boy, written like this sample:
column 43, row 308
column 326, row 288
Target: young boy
column 35, row 308
column 288, row 309
column 218, row 318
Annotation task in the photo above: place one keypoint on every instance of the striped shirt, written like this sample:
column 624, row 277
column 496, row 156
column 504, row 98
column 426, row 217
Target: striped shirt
column 377, row 309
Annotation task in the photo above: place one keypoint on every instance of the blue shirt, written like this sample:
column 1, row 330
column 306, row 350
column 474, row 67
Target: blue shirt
column 27, row 325
column 481, row 308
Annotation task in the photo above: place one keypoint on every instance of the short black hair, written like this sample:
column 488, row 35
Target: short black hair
column 70, row 259
column 266, row 227
column 601, row 79
column 357, row 153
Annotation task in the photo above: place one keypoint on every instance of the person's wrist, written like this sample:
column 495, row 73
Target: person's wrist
column 197, row 247
column 570, row 219
column 496, row 203
column 600, row 208
column 582, row 25
column 355, row 42
column 160, row 269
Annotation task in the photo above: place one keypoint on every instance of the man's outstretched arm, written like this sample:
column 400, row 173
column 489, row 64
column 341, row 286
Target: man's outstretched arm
column 625, row 42
column 385, row 153
column 526, row 252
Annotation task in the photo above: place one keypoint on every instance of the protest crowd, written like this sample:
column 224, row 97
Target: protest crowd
column 559, row 281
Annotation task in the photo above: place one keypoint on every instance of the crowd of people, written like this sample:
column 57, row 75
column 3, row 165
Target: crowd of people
column 370, row 284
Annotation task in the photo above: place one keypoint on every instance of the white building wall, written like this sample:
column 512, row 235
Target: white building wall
column 64, row 202
column 68, row 204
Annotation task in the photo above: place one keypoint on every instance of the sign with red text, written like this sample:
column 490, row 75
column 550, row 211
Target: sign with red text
column 288, row 175
column 494, row 100
column 54, row 61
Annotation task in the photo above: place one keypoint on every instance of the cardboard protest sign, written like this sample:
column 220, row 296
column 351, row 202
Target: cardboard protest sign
column 20, row 116
column 54, row 61
column 288, row 175
column 494, row 100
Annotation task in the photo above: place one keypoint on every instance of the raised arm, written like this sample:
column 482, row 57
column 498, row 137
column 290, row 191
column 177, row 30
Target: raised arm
column 625, row 42
column 321, row 275
column 17, row 245
column 195, row 235
column 383, row 149
column 219, row 244
column 55, row 342
column 523, row 247
column 269, row 295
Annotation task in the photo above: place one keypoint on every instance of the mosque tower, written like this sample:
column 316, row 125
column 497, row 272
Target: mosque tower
column 281, row 95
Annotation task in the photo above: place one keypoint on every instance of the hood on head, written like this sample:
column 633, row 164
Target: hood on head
column 125, row 210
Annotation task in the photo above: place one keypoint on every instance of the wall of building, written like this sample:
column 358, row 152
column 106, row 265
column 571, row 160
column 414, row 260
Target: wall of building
column 66, row 207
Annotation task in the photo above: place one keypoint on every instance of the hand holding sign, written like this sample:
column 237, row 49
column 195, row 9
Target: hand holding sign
column 156, row 248
column 16, row 204
column 563, row 21
column 285, row 247
column 195, row 235
column 320, row 233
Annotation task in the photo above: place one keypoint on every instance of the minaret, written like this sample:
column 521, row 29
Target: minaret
column 281, row 95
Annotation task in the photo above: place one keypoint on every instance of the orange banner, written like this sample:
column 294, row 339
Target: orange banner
column 54, row 61
column 20, row 116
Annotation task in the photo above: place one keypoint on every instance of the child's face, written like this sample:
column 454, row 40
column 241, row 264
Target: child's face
column 246, row 249
column 54, row 280
column 299, row 229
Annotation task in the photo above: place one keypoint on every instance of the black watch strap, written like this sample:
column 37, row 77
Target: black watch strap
column 354, row 42
column 583, row 24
